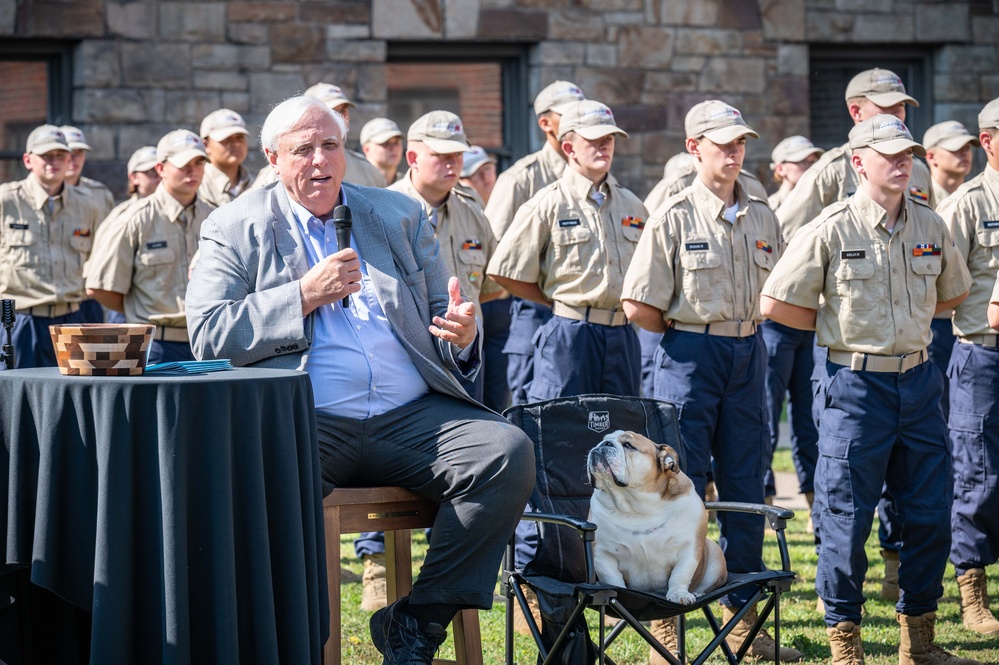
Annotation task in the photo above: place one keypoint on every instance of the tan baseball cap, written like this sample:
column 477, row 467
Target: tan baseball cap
column 988, row 118
column 716, row 121
column 179, row 147
column 221, row 124
column 590, row 119
column 75, row 138
column 379, row 131
column 441, row 131
column 331, row 95
column 142, row 159
column 793, row 149
column 886, row 134
column 881, row 86
column 950, row 135
column 46, row 138
column 474, row 159
column 557, row 97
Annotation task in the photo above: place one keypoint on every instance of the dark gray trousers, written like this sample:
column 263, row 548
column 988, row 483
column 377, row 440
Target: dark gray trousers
column 477, row 465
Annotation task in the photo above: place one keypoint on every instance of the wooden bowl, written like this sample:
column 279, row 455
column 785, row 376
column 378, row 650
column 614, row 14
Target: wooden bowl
column 101, row 349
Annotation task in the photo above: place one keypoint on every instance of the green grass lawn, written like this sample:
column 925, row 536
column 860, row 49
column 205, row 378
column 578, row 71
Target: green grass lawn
column 802, row 627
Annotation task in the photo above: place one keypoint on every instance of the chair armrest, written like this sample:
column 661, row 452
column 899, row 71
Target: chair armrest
column 776, row 516
column 587, row 529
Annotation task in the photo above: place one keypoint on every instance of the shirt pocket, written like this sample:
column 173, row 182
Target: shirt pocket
column 631, row 233
column 855, row 283
column 570, row 247
column 703, row 277
column 988, row 237
column 472, row 266
column 18, row 244
column 922, row 277
column 81, row 243
column 157, row 263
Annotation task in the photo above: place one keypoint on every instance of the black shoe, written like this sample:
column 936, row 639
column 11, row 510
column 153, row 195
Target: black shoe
column 398, row 637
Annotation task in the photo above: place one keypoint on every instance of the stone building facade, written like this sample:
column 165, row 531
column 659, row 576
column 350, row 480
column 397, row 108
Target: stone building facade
column 143, row 67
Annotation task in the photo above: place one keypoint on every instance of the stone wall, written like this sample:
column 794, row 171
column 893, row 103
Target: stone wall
column 143, row 67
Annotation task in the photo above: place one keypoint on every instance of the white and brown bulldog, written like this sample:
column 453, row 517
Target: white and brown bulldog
column 651, row 525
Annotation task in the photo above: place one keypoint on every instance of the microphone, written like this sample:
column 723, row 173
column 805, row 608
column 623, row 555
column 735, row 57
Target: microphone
column 7, row 317
column 342, row 222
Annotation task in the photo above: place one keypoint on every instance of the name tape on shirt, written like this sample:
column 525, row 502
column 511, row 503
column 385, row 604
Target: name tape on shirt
column 568, row 223
column 853, row 254
column 695, row 246
column 988, row 224
column 926, row 250
column 159, row 244
column 19, row 227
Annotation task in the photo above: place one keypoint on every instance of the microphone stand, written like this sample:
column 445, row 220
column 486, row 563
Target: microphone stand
column 7, row 316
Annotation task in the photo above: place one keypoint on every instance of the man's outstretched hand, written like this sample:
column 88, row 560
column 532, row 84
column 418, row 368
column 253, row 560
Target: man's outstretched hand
column 458, row 325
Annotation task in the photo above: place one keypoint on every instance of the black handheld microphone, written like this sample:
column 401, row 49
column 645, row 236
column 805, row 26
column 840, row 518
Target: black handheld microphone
column 342, row 222
column 7, row 317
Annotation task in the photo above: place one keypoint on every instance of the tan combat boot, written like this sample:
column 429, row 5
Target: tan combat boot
column 663, row 630
column 844, row 641
column 975, row 603
column 763, row 647
column 519, row 620
column 889, row 585
column 373, row 595
column 917, row 648
column 810, row 498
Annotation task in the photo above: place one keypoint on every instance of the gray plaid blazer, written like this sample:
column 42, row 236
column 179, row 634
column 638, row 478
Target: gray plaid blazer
column 244, row 303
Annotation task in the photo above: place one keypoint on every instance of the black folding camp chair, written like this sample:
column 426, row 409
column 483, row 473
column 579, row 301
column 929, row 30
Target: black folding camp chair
column 562, row 573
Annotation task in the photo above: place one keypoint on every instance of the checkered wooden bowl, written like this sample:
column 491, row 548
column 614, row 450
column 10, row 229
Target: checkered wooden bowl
column 99, row 349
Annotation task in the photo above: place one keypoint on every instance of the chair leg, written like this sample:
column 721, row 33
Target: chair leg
column 398, row 564
column 467, row 638
column 331, row 518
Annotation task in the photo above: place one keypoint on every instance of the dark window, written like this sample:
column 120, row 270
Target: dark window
column 831, row 69
column 486, row 86
column 35, row 88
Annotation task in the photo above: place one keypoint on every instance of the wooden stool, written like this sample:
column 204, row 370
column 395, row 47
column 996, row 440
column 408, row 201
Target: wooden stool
column 395, row 511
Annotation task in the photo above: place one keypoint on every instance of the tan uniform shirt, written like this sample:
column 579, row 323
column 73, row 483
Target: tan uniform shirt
column 466, row 240
column 939, row 194
column 832, row 178
column 100, row 193
column 576, row 251
column 667, row 188
column 359, row 172
column 697, row 267
column 972, row 217
column 44, row 244
column 145, row 254
column 875, row 291
column 777, row 198
column 515, row 186
column 217, row 189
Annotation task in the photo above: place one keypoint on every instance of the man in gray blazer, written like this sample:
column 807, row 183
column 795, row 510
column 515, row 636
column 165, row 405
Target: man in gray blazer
column 271, row 290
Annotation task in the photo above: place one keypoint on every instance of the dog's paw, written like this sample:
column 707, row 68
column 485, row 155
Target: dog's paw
column 680, row 597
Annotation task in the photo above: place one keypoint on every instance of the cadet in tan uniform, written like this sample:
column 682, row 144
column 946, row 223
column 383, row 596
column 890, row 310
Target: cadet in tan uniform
column 78, row 148
column 568, row 248
column 948, row 152
column 224, row 133
column 140, row 266
column 381, row 142
column 972, row 216
column 46, row 230
column 478, row 173
column 867, row 276
column 832, row 178
column 696, row 278
column 789, row 161
column 514, row 187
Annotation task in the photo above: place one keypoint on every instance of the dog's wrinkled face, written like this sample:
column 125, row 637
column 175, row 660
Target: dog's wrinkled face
column 628, row 459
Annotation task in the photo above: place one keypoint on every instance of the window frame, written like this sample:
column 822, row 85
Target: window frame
column 58, row 55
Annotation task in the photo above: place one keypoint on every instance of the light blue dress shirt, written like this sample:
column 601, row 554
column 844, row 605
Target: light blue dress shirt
column 357, row 365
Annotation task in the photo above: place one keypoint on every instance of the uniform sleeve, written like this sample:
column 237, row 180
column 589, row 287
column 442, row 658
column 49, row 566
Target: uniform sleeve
column 960, row 224
column 521, row 249
column 799, row 276
column 954, row 279
column 816, row 190
column 650, row 277
column 509, row 193
column 112, row 258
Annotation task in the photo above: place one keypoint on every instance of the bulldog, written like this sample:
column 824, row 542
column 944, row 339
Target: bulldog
column 651, row 525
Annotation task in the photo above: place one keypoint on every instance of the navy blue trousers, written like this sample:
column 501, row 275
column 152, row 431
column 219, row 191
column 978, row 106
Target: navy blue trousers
column 789, row 372
column 168, row 352
column 649, row 342
column 974, row 435
column 881, row 429
column 718, row 387
column 495, row 331
column 32, row 341
column 525, row 319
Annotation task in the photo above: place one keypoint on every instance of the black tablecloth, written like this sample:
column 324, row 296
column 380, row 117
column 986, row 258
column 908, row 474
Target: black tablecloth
column 184, row 514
